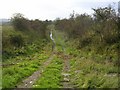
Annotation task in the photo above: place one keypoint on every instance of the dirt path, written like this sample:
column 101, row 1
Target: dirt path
column 66, row 75
column 66, row 70
column 28, row 83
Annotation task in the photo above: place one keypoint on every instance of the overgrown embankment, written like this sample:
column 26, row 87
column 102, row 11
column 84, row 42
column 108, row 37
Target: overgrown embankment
column 23, row 37
column 95, row 36
column 91, row 70
column 94, row 44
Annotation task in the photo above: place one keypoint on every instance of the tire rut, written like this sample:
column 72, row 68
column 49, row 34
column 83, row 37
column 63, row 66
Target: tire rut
column 65, row 73
column 28, row 83
column 66, row 81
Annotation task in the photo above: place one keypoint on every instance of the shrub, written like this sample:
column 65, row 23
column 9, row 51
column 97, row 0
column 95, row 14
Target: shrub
column 16, row 40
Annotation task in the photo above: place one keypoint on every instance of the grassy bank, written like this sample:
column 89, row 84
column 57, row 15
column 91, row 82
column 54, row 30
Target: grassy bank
column 93, row 70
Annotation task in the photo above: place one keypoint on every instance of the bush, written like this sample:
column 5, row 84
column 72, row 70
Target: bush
column 85, row 42
column 111, row 39
column 16, row 40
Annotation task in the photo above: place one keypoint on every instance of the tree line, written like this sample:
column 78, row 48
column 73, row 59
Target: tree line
column 99, row 30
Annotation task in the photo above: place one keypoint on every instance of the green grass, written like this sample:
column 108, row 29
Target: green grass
column 51, row 77
column 14, row 74
column 90, row 69
column 87, row 73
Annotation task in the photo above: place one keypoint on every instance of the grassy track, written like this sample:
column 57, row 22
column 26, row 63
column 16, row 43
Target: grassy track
column 51, row 77
column 86, row 69
column 12, row 75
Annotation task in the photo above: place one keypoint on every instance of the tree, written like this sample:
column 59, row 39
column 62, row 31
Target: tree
column 105, row 24
column 103, row 14
column 19, row 22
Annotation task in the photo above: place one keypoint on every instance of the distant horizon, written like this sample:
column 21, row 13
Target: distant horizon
column 51, row 9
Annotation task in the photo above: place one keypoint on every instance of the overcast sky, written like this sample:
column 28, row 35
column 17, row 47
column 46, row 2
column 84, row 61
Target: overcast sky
column 50, row 9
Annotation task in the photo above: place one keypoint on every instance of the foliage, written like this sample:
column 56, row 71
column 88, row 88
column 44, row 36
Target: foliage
column 14, row 74
column 16, row 40
column 51, row 76
column 102, row 14
column 23, row 36
column 19, row 22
